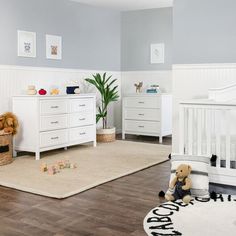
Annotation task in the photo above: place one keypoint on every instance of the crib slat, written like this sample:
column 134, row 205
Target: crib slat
column 218, row 134
column 181, row 129
column 199, row 132
column 190, row 131
column 208, row 131
column 227, row 128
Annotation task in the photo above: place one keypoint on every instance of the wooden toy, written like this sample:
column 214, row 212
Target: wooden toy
column 43, row 167
column 73, row 166
column 52, row 170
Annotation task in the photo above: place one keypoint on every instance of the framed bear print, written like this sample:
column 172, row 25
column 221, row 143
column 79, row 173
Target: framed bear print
column 53, row 47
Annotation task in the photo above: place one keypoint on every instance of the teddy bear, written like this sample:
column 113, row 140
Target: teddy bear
column 8, row 123
column 179, row 187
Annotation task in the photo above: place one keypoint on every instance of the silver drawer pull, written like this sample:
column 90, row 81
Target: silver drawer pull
column 53, row 138
column 54, row 122
column 81, row 105
column 82, row 119
column 82, row 133
column 141, row 102
column 141, row 114
column 141, row 126
column 54, row 107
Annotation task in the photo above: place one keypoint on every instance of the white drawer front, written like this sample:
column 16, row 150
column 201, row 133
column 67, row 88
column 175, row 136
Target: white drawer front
column 53, row 122
column 53, row 107
column 142, row 102
column 53, row 138
column 142, row 114
column 142, row 126
column 81, row 119
column 81, row 105
column 82, row 134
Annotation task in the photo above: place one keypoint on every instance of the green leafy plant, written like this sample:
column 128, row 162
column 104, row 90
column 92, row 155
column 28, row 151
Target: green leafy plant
column 108, row 94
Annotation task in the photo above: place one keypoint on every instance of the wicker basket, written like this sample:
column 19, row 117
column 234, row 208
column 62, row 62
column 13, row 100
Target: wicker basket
column 106, row 135
column 5, row 149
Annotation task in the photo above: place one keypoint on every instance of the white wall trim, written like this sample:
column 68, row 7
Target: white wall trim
column 14, row 80
column 204, row 66
column 52, row 69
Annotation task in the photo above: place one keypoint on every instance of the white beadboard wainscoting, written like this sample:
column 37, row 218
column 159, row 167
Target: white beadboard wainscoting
column 193, row 81
column 14, row 80
column 162, row 77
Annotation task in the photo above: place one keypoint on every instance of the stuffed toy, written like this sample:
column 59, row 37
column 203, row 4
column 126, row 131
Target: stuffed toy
column 9, row 123
column 180, row 186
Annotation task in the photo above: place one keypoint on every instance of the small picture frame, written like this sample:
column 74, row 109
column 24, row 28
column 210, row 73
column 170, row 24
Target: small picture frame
column 26, row 44
column 157, row 53
column 53, row 47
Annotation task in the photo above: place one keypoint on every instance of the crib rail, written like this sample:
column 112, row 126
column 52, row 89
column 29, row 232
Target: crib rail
column 208, row 128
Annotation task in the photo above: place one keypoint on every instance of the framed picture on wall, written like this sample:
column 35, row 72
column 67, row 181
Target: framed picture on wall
column 26, row 44
column 157, row 53
column 53, row 47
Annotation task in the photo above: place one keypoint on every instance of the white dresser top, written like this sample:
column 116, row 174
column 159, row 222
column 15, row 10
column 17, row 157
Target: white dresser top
column 146, row 94
column 82, row 95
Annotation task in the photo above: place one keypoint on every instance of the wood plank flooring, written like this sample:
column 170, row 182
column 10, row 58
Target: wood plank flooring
column 115, row 208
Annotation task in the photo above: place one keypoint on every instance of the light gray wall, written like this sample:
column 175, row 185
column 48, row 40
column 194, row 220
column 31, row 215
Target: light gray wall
column 204, row 31
column 90, row 35
column 139, row 30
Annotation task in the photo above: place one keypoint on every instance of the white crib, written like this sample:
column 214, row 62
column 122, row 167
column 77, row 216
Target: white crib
column 209, row 127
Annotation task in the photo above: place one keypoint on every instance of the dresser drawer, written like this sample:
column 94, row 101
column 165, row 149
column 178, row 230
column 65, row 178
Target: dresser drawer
column 142, row 126
column 82, row 134
column 53, row 138
column 142, row 102
column 53, row 107
column 53, row 122
column 81, row 119
column 81, row 105
column 142, row 114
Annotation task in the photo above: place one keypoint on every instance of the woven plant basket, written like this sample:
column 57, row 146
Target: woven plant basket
column 106, row 135
column 5, row 149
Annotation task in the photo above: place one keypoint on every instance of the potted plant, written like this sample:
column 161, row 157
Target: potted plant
column 109, row 93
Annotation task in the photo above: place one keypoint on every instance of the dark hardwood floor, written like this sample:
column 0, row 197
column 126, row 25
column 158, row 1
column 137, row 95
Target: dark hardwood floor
column 116, row 208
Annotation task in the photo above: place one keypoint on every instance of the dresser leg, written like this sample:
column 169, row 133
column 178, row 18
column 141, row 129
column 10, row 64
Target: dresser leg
column 65, row 148
column 14, row 153
column 123, row 135
column 160, row 139
column 95, row 143
column 37, row 156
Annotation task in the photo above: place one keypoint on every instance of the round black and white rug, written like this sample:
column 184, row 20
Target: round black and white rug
column 202, row 217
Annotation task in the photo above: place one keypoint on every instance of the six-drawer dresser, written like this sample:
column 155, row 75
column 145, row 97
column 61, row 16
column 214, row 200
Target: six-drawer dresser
column 50, row 122
column 147, row 114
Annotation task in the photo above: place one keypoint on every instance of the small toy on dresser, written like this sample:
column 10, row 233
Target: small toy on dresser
column 55, row 91
column 139, row 87
column 153, row 89
column 42, row 92
column 31, row 90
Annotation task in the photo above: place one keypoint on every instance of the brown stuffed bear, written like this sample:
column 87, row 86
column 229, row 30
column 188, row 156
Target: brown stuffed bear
column 9, row 123
column 180, row 185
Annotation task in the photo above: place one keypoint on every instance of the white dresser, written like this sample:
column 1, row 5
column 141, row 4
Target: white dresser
column 147, row 114
column 50, row 122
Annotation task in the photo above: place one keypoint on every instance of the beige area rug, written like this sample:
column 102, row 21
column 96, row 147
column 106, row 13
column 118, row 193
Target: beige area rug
column 96, row 166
